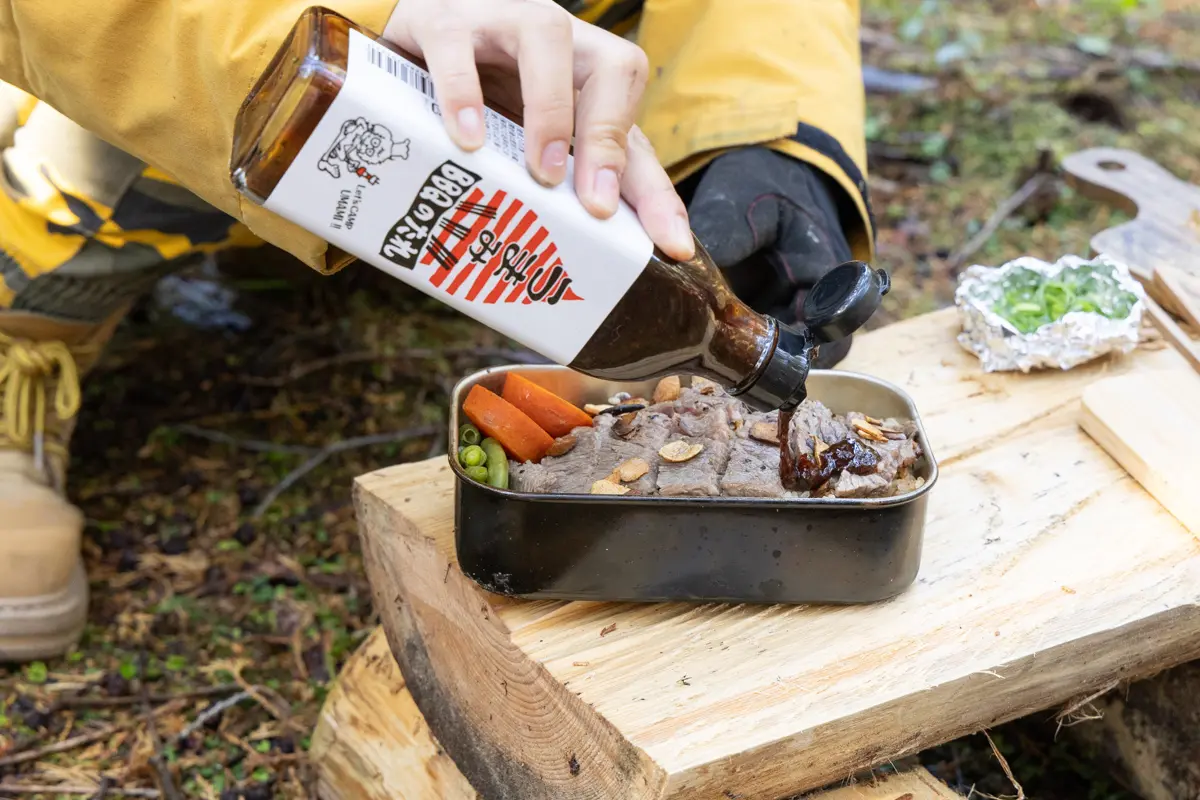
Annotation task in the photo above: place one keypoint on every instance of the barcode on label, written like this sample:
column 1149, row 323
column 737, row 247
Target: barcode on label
column 411, row 74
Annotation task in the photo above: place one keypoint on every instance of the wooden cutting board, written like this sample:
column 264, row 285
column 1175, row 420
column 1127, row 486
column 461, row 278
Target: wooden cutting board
column 1147, row 423
column 1165, row 233
column 1144, row 422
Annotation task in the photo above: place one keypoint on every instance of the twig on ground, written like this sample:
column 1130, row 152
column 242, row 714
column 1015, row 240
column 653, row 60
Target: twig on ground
column 102, row 791
column 338, row 447
column 63, row 746
column 166, row 784
column 213, row 711
column 1003, row 212
column 112, row 791
column 130, row 699
column 1004, row 766
column 255, row 445
column 302, row 370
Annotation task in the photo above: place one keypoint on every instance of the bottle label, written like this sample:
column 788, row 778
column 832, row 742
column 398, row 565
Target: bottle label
column 381, row 179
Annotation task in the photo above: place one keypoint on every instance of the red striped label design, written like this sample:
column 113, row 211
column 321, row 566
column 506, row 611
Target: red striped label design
column 478, row 250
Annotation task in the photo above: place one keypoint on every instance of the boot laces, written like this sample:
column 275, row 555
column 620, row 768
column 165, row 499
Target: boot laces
column 27, row 370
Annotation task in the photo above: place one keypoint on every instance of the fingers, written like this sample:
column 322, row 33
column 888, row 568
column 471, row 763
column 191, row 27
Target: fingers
column 646, row 187
column 607, row 105
column 545, row 64
column 553, row 54
column 449, row 51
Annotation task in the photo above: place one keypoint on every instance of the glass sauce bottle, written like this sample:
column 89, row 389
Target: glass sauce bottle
column 314, row 150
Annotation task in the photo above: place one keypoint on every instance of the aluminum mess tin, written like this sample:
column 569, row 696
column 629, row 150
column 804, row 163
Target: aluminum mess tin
column 728, row 549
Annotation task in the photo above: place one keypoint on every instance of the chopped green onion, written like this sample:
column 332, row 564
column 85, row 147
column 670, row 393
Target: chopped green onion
column 468, row 434
column 1029, row 300
column 477, row 473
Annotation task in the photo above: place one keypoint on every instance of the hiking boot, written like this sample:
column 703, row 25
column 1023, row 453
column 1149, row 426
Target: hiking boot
column 43, row 588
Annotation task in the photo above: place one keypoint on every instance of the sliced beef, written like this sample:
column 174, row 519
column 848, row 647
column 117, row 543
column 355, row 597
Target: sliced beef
column 813, row 420
column 732, row 463
column 895, row 456
column 705, row 416
column 847, row 484
column 566, row 474
column 699, row 476
column 753, row 470
column 618, row 441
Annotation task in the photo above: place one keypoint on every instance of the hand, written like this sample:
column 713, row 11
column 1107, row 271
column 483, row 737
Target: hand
column 568, row 76
column 771, row 224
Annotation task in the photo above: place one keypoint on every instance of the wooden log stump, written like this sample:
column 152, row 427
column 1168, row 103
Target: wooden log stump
column 1047, row 573
column 1150, row 732
column 372, row 743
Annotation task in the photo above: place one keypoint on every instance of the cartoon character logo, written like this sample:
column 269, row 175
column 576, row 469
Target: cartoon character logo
column 359, row 145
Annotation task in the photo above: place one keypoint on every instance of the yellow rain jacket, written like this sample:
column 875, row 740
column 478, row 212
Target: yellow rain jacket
column 163, row 81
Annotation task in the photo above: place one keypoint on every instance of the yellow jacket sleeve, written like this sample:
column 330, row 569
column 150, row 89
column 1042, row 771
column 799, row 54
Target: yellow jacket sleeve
column 163, row 81
column 783, row 73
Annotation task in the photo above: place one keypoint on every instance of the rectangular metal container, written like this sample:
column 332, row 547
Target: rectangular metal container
column 730, row 549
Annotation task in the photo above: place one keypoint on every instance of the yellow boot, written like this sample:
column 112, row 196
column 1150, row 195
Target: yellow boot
column 43, row 588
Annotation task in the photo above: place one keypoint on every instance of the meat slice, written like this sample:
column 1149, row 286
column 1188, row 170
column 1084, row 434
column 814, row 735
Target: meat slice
column 894, row 454
column 617, row 442
column 753, row 470
column 531, row 478
column 705, row 416
column 847, row 484
column 699, row 476
column 813, row 420
column 569, row 473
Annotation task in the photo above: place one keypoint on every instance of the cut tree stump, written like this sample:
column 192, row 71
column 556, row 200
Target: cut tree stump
column 1047, row 574
column 1150, row 731
column 371, row 743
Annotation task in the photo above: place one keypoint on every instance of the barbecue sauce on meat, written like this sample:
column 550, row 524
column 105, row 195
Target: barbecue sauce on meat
column 804, row 472
column 849, row 455
column 676, row 317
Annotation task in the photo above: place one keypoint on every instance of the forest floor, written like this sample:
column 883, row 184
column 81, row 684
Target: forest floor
column 215, row 565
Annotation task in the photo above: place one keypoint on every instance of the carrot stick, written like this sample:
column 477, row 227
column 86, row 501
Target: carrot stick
column 519, row 435
column 556, row 416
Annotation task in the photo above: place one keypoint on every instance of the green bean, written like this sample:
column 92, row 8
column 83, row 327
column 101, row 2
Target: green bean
column 497, row 463
column 477, row 473
column 473, row 456
column 468, row 434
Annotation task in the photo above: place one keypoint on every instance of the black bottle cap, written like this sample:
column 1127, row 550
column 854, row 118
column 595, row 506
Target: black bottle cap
column 843, row 300
column 781, row 384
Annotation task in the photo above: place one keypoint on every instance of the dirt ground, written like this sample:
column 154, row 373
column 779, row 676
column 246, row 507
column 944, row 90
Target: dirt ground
column 214, row 564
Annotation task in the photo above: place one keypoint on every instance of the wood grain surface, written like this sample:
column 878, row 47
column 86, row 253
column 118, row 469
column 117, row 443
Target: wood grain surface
column 1142, row 421
column 371, row 743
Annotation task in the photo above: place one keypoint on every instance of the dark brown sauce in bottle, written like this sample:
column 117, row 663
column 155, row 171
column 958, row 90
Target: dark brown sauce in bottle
column 676, row 317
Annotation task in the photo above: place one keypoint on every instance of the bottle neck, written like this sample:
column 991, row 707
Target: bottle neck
column 779, row 380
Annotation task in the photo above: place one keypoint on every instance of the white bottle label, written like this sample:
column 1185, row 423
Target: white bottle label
column 381, row 179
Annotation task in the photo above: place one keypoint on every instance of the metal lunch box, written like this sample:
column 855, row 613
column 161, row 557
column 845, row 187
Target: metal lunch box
column 727, row 549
